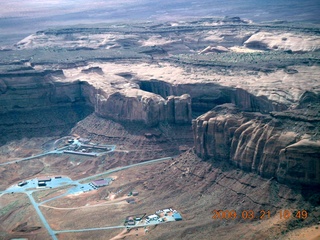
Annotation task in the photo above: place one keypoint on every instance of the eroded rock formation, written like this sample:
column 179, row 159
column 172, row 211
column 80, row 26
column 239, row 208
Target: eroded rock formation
column 268, row 74
column 135, row 105
column 283, row 41
column 40, row 91
column 259, row 143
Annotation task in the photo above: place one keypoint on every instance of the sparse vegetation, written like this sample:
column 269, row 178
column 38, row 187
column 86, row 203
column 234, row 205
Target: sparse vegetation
column 9, row 207
column 263, row 61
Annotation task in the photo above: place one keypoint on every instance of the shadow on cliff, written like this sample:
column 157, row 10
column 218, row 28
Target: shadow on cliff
column 46, row 122
column 206, row 96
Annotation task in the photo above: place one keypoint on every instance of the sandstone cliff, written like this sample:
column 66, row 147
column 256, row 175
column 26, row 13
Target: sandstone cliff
column 135, row 105
column 259, row 143
column 34, row 104
column 40, row 91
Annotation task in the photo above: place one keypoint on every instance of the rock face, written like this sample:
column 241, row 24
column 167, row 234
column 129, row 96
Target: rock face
column 258, row 143
column 299, row 162
column 205, row 96
column 155, row 74
column 35, row 105
column 39, row 91
column 136, row 105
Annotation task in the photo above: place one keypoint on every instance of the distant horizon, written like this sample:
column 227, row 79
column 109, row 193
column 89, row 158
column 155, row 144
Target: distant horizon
column 20, row 19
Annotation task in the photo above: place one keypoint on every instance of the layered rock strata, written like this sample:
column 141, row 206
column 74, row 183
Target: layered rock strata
column 33, row 104
column 135, row 105
column 259, row 143
column 40, row 91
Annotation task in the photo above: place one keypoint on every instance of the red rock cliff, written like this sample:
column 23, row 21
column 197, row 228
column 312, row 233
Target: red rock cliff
column 259, row 143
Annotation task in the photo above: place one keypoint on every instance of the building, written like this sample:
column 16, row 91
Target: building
column 135, row 193
column 177, row 216
column 42, row 184
column 166, row 211
column 21, row 184
column 84, row 140
column 153, row 217
column 131, row 221
column 101, row 182
column 131, row 200
column 44, row 179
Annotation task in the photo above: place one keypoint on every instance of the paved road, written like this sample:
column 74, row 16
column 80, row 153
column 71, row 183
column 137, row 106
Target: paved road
column 57, row 151
column 89, row 229
column 126, row 167
column 42, row 218
column 33, row 157
column 76, row 182
column 104, row 228
column 54, row 198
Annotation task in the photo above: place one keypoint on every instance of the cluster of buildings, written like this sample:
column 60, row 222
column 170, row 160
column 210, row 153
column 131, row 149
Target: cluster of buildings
column 43, row 181
column 133, row 220
column 83, row 146
column 160, row 216
column 169, row 212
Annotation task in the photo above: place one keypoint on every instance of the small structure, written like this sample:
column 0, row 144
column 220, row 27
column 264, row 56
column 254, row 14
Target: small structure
column 84, row 140
column 148, row 135
column 131, row 200
column 80, row 153
column 100, row 183
column 44, row 179
column 153, row 217
column 95, row 147
column 21, row 184
column 42, row 184
column 135, row 193
column 177, row 216
column 166, row 211
column 131, row 221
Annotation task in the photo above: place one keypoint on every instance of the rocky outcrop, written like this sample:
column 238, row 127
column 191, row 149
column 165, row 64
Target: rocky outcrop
column 212, row 49
column 283, row 41
column 205, row 96
column 33, row 104
column 258, row 143
column 299, row 163
column 38, row 91
column 136, row 105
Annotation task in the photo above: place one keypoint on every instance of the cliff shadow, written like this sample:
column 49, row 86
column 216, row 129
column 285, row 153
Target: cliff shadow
column 206, row 96
column 44, row 122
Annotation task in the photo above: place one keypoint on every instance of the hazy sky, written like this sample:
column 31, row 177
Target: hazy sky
column 23, row 17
